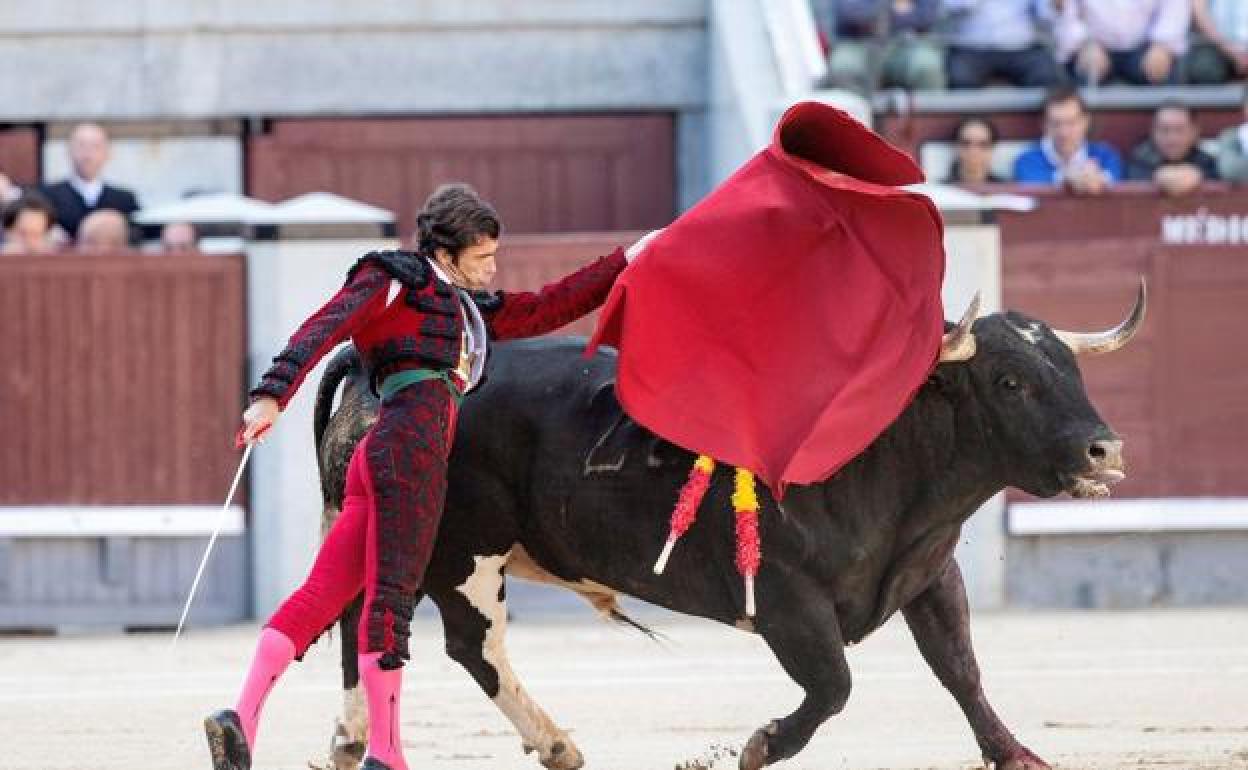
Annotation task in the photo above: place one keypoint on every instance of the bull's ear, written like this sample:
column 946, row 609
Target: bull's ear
column 941, row 377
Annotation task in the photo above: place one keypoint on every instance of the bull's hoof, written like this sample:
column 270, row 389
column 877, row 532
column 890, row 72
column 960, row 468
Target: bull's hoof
column 344, row 753
column 754, row 753
column 1022, row 759
column 563, row 755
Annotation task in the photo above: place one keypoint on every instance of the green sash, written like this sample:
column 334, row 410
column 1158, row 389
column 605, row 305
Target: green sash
column 399, row 380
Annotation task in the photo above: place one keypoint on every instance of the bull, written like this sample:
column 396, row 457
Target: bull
column 550, row 481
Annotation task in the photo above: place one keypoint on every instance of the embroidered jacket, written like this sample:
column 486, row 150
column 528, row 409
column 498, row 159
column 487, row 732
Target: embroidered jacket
column 423, row 326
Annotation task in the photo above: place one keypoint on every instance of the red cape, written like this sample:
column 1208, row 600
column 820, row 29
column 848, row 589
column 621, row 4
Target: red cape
column 786, row 320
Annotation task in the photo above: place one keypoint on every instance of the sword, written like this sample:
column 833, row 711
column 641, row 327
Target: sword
column 216, row 530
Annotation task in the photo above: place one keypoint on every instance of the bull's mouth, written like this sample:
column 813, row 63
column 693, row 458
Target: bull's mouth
column 1094, row 483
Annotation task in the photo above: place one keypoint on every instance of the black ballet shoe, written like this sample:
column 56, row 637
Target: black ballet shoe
column 226, row 741
column 372, row 763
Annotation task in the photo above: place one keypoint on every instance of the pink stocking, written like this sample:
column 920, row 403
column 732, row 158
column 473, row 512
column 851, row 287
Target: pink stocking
column 274, row 652
column 383, row 688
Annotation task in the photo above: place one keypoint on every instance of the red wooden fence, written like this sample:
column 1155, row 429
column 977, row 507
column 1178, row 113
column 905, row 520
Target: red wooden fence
column 19, row 155
column 545, row 173
column 122, row 378
column 1177, row 392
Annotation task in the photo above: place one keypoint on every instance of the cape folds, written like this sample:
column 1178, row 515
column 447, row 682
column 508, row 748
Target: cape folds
column 782, row 323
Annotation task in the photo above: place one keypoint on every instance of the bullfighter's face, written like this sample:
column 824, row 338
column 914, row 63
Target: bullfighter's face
column 474, row 267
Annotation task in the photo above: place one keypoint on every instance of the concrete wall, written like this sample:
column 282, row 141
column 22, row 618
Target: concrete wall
column 1128, row 571
column 182, row 60
column 162, row 58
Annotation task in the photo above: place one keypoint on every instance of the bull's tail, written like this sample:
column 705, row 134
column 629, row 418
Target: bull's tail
column 616, row 615
column 335, row 372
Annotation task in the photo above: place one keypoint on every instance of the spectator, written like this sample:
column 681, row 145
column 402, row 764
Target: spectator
column 1137, row 41
column 179, row 238
column 879, row 42
column 975, row 138
column 998, row 39
column 1171, row 157
column 28, row 226
column 103, row 230
column 1233, row 150
column 1221, row 52
column 1065, row 156
column 84, row 191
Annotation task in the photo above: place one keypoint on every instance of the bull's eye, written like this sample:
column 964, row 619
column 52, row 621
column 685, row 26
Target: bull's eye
column 1008, row 382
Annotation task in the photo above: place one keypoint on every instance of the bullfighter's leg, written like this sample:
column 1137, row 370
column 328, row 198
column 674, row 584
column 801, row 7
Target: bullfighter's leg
column 809, row 647
column 350, row 738
column 474, row 615
column 940, row 622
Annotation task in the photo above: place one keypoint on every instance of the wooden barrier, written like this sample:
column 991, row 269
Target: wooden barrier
column 123, row 378
column 1176, row 392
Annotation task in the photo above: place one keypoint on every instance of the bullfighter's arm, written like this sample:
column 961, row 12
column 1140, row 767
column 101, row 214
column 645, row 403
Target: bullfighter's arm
column 355, row 303
column 510, row 315
column 939, row 619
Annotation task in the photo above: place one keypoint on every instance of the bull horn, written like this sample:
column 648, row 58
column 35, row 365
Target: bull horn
column 1095, row 343
column 958, row 344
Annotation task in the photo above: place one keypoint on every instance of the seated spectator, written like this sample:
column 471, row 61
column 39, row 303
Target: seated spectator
column 1220, row 53
column 28, row 226
column 1138, row 41
column 998, row 39
column 1064, row 156
column 85, row 191
column 1233, row 150
column 103, row 230
column 879, row 43
column 1171, row 157
column 179, row 238
column 975, row 138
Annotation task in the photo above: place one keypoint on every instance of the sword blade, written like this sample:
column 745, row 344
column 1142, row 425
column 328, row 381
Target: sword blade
column 216, row 530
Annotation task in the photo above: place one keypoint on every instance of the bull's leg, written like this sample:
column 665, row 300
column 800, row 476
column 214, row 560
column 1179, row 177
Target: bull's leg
column 474, row 615
column 346, row 748
column 809, row 647
column 940, row 622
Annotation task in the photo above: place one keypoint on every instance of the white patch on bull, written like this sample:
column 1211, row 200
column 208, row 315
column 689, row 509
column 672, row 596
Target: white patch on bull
column 347, row 746
column 602, row 598
column 355, row 715
column 1032, row 333
column 537, row 730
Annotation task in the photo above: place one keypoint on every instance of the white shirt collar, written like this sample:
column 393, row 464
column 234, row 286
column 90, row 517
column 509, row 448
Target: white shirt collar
column 474, row 329
column 89, row 190
column 1050, row 152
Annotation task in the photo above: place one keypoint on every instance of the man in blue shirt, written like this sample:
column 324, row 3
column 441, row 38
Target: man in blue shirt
column 1065, row 157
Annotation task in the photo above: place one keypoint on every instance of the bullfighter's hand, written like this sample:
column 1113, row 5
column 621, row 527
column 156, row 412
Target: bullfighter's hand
column 641, row 244
column 259, row 418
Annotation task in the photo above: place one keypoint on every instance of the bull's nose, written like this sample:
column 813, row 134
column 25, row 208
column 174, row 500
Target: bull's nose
column 1105, row 454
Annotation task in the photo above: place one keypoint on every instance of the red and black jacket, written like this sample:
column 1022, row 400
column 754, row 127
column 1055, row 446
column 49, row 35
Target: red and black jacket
column 423, row 327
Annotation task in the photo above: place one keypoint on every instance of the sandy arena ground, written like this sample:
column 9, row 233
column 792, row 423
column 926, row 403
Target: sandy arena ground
column 1092, row 691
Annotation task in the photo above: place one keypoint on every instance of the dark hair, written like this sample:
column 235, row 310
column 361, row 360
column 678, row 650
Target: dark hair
column 1063, row 94
column 455, row 218
column 30, row 201
column 971, row 120
column 1175, row 104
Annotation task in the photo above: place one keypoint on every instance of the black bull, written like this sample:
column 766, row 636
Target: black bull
column 549, row 481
